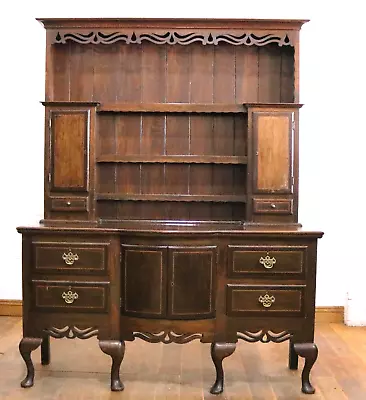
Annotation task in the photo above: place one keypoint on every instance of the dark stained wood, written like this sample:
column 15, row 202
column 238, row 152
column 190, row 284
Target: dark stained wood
column 187, row 298
column 69, row 162
column 190, row 159
column 81, row 73
column 171, row 204
column 178, row 107
column 144, row 272
column 171, row 197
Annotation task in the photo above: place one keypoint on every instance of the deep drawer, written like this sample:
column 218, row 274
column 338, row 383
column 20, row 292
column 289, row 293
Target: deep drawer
column 262, row 260
column 64, row 296
column 66, row 257
column 261, row 300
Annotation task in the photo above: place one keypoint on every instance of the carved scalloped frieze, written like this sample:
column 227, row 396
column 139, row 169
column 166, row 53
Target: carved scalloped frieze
column 264, row 336
column 72, row 332
column 248, row 39
column 167, row 337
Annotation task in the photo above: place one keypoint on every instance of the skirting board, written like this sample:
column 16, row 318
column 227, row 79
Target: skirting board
column 13, row 308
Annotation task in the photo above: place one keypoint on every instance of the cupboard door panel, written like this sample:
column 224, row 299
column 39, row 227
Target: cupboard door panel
column 273, row 141
column 144, row 282
column 69, row 144
column 191, row 281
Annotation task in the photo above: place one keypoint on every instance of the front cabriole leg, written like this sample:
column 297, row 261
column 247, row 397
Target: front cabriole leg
column 26, row 346
column 219, row 351
column 310, row 352
column 115, row 349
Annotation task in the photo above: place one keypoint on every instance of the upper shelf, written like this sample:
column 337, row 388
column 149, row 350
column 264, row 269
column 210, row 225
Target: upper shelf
column 173, row 107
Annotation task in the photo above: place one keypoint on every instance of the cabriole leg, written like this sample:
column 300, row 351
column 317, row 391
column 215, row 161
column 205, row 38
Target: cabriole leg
column 115, row 349
column 219, row 351
column 26, row 346
column 310, row 352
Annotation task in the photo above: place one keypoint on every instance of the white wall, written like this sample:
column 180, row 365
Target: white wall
column 331, row 130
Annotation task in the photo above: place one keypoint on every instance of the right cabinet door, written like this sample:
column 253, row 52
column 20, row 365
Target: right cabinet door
column 273, row 155
column 191, row 282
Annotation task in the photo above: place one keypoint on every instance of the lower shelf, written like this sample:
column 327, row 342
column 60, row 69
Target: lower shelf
column 173, row 197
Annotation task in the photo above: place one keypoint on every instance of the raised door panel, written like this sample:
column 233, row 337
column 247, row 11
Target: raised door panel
column 144, row 280
column 192, row 273
column 273, row 155
column 69, row 156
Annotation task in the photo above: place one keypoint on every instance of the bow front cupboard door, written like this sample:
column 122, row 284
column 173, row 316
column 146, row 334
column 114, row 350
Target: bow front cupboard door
column 173, row 282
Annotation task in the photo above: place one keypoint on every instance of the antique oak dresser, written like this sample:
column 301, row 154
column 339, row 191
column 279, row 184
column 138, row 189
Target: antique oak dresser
column 170, row 191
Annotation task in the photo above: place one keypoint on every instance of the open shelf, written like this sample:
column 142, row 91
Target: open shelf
column 173, row 197
column 181, row 159
column 172, row 107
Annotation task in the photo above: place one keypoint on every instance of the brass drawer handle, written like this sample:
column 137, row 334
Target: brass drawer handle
column 267, row 261
column 267, row 300
column 70, row 297
column 70, row 257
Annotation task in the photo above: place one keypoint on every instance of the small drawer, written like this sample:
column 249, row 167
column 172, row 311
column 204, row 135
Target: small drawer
column 272, row 206
column 70, row 257
column 75, row 296
column 264, row 260
column 260, row 300
column 69, row 204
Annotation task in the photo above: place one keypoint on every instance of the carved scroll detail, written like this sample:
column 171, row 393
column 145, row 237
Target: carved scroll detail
column 72, row 332
column 167, row 337
column 248, row 39
column 264, row 336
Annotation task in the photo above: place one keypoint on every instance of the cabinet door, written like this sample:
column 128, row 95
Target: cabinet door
column 191, row 285
column 144, row 280
column 68, row 145
column 273, row 151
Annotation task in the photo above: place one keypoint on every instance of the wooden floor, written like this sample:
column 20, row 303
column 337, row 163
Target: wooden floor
column 79, row 370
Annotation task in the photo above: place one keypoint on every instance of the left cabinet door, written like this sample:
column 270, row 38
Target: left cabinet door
column 69, row 136
column 69, row 155
column 144, row 280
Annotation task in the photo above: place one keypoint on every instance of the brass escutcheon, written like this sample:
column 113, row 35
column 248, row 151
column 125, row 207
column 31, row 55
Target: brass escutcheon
column 267, row 261
column 70, row 257
column 266, row 300
column 70, row 297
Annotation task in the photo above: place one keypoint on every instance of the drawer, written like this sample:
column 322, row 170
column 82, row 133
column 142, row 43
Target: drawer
column 265, row 300
column 69, row 204
column 70, row 257
column 273, row 206
column 75, row 296
column 265, row 260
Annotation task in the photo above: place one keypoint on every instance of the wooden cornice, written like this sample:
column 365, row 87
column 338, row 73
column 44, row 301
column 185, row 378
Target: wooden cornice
column 171, row 23
column 236, row 32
